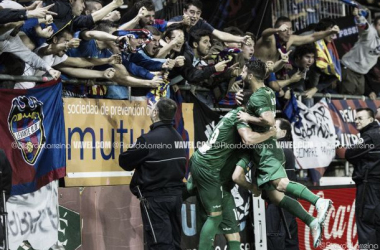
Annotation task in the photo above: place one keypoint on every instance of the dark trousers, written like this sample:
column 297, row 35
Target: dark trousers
column 377, row 225
column 165, row 215
column 277, row 237
column 366, row 224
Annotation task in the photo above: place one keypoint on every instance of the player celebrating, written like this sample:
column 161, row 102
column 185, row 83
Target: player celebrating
column 211, row 169
column 269, row 159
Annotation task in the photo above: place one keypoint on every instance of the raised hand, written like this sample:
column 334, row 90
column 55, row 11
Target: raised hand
column 73, row 43
column 283, row 28
column 118, row 3
column 40, row 12
column 55, row 73
column 243, row 116
column 115, row 59
column 296, row 77
column 46, row 32
column 246, row 40
column 156, row 81
column 284, row 56
column 335, row 29
column 48, row 19
column 178, row 40
column 219, row 67
column 142, row 12
column 109, row 73
column 310, row 93
column 239, row 97
column 113, row 16
column 186, row 20
column 179, row 61
column 355, row 12
column 169, row 64
column 236, row 86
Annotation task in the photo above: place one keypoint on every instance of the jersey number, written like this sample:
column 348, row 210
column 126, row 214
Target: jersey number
column 211, row 140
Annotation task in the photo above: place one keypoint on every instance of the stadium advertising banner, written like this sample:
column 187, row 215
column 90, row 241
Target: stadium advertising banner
column 339, row 230
column 98, row 130
column 343, row 114
column 314, row 140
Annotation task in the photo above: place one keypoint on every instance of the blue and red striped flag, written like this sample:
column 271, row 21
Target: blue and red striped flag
column 33, row 135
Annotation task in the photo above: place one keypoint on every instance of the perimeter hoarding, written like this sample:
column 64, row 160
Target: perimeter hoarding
column 98, row 130
column 339, row 231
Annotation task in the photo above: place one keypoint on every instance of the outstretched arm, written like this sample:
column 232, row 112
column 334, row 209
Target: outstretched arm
column 98, row 35
column 268, row 33
column 100, row 14
column 301, row 40
column 87, row 73
column 250, row 137
column 266, row 119
column 227, row 37
column 122, row 77
column 80, row 62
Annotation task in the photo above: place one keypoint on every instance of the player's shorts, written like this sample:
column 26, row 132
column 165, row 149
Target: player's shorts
column 272, row 170
column 209, row 186
column 229, row 224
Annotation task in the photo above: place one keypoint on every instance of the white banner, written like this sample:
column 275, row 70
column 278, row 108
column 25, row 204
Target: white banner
column 34, row 217
column 314, row 141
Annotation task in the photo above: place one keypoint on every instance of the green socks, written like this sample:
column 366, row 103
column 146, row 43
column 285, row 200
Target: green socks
column 296, row 209
column 233, row 245
column 300, row 191
column 208, row 232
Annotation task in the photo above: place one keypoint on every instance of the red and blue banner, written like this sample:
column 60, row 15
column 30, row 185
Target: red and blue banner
column 33, row 135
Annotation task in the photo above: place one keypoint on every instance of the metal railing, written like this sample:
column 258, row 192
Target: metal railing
column 40, row 79
column 174, row 9
column 304, row 13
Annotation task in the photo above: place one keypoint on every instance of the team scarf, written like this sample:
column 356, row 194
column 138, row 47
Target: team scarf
column 328, row 59
column 161, row 91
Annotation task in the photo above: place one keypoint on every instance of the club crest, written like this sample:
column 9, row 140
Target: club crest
column 25, row 122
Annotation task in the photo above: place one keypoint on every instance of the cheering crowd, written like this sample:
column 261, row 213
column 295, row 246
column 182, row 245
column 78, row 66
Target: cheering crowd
column 89, row 40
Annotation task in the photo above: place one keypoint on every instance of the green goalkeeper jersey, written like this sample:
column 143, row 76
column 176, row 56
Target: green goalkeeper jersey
column 265, row 153
column 216, row 152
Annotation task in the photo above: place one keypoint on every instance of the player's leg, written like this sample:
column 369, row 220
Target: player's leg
column 210, row 196
column 230, row 225
column 302, row 192
column 233, row 241
column 189, row 189
column 294, row 207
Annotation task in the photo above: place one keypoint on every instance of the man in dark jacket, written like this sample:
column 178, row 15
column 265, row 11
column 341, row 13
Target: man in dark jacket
column 366, row 160
column 5, row 184
column 159, row 171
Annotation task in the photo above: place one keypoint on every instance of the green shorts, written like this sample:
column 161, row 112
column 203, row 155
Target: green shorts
column 229, row 224
column 209, row 187
column 273, row 170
